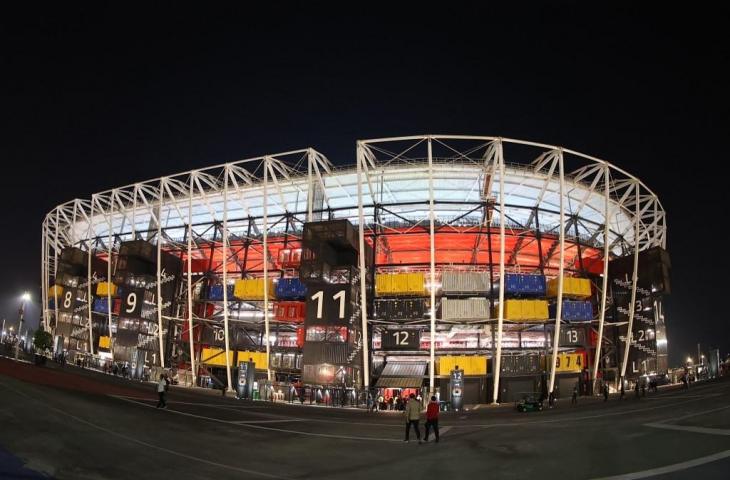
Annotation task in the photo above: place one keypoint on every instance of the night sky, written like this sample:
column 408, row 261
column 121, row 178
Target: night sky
column 94, row 98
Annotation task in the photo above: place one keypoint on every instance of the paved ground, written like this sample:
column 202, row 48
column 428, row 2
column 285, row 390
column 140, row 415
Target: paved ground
column 79, row 424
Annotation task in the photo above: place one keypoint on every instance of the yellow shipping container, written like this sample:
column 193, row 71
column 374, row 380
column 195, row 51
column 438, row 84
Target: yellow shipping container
column 215, row 356
column 400, row 284
column 512, row 310
column 573, row 287
column 472, row 364
column 104, row 342
column 253, row 289
column 55, row 291
column 417, row 283
column 259, row 358
column 541, row 310
column 383, row 284
column 105, row 288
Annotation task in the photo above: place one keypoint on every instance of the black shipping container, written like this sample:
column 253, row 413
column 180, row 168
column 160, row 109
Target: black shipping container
column 140, row 249
column 340, row 234
column 327, row 352
column 73, row 256
column 135, row 265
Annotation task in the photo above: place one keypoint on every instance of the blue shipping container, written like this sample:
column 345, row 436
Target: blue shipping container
column 216, row 292
column 101, row 305
column 574, row 311
column 518, row 283
column 290, row 289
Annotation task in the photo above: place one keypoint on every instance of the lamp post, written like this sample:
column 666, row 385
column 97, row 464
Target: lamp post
column 24, row 298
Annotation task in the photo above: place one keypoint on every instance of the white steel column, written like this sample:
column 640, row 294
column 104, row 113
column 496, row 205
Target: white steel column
column 159, row 276
column 88, row 276
column 110, row 244
column 190, row 282
column 363, row 272
column 432, row 255
column 500, row 314
column 634, row 281
column 606, row 258
column 225, row 276
column 55, row 276
column 266, row 265
column 559, row 308
column 310, row 185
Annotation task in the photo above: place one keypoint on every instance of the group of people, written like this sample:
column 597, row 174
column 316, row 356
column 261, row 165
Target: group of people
column 412, row 413
column 395, row 402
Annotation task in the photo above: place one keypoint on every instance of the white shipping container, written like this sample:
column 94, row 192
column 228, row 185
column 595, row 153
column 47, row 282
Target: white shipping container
column 465, row 309
column 465, row 282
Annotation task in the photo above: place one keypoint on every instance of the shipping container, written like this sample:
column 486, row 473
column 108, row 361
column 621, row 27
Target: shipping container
column 290, row 257
column 291, row 312
column 400, row 284
column 55, row 291
column 526, row 310
column 524, row 284
column 574, row 310
column 105, row 289
column 290, row 289
column 465, row 308
column 519, row 365
column 573, row 287
column 253, row 289
column 471, row 364
column 340, row 234
column 215, row 292
column 456, row 282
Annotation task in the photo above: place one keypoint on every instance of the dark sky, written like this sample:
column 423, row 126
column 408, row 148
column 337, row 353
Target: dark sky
column 103, row 96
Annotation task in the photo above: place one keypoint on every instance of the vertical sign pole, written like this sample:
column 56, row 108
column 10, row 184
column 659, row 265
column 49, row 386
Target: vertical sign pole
column 88, row 275
column 159, row 280
column 634, row 281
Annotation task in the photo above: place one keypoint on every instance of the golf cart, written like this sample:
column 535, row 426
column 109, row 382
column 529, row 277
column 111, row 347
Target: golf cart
column 529, row 402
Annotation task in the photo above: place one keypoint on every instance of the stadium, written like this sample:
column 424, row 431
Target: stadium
column 477, row 268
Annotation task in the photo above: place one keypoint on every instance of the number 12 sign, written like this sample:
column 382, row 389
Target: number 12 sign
column 404, row 339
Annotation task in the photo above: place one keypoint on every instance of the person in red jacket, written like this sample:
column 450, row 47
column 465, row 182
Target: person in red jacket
column 432, row 418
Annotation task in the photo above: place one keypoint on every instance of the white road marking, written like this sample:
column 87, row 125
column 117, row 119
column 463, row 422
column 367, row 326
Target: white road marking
column 140, row 442
column 676, row 419
column 563, row 418
column 670, row 468
column 261, row 427
column 240, row 422
column 688, row 428
column 234, row 408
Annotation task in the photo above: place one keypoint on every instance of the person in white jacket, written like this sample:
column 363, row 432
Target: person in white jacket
column 161, row 390
column 413, row 415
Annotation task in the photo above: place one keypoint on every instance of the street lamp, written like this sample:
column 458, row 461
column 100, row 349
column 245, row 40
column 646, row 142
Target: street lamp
column 23, row 299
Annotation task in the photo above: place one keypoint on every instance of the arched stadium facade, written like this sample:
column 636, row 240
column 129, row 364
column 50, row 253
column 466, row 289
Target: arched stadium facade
column 482, row 252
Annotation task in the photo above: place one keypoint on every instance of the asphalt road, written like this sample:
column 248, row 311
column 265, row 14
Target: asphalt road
column 79, row 424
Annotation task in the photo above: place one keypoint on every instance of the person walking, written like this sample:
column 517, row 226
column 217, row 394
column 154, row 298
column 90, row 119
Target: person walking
column 623, row 392
column 636, row 390
column 412, row 413
column 432, row 419
column 605, row 392
column 161, row 390
column 574, row 399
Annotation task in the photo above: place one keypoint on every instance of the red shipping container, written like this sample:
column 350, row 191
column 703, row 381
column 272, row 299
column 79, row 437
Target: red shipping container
column 116, row 305
column 292, row 312
column 300, row 337
column 290, row 257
